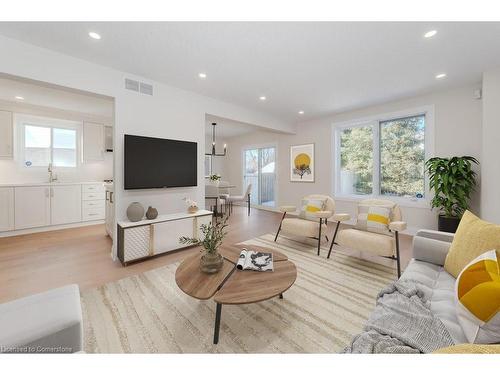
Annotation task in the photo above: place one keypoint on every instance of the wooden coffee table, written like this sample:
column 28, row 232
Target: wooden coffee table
column 231, row 286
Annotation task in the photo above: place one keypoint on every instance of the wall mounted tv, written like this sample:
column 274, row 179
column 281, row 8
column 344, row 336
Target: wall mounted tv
column 159, row 163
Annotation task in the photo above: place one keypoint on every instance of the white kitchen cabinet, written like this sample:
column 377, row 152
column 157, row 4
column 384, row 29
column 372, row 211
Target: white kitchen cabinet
column 65, row 204
column 110, row 211
column 93, row 142
column 6, row 138
column 6, row 209
column 108, row 138
column 32, row 206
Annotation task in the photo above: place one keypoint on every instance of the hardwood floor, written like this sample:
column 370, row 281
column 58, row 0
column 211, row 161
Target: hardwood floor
column 36, row 262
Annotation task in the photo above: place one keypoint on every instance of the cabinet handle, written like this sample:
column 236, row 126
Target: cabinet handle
column 110, row 197
column 107, row 197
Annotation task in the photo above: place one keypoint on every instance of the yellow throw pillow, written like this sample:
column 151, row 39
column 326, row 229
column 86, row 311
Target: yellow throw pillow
column 474, row 236
column 378, row 219
column 310, row 206
column 469, row 349
column 477, row 295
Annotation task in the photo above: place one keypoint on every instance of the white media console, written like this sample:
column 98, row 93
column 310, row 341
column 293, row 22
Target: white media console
column 147, row 238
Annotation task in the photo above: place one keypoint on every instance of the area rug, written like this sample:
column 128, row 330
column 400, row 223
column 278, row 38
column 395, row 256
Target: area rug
column 147, row 313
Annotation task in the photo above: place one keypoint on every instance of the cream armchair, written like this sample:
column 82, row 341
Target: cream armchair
column 311, row 228
column 384, row 245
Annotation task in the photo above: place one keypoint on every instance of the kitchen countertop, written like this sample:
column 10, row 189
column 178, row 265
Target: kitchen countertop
column 50, row 183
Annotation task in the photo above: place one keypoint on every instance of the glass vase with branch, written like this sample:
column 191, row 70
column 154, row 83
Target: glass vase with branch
column 211, row 238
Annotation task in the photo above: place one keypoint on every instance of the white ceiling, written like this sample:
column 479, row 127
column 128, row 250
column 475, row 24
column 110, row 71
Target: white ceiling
column 52, row 97
column 320, row 68
column 227, row 128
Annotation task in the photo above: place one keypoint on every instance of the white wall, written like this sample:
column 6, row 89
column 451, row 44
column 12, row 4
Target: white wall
column 11, row 170
column 457, row 132
column 170, row 113
column 490, row 170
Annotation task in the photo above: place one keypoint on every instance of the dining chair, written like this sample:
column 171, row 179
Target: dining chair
column 240, row 198
column 212, row 193
column 224, row 194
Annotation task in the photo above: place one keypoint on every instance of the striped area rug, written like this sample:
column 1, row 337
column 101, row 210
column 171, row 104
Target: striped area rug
column 148, row 313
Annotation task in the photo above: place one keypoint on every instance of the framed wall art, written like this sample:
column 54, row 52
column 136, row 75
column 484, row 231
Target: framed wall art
column 302, row 163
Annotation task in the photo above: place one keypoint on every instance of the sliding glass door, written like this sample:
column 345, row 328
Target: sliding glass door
column 259, row 169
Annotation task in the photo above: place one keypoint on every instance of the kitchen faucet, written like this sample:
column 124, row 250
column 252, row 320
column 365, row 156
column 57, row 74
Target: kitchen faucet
column 52, row 175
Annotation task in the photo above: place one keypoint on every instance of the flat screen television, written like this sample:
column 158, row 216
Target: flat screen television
column 159, row 163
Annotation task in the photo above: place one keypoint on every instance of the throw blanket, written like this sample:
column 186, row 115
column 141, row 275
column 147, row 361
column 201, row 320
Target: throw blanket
column 401, row 323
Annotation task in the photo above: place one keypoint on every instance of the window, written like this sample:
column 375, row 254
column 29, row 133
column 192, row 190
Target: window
column 43, row 143
column 382, row 157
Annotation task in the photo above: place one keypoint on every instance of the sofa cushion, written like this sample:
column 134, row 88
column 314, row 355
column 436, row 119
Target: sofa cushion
column 474, row 236
column 478, row 299
column 438, row 287
column 42, row 322
column 301, row 227
column 379, row 244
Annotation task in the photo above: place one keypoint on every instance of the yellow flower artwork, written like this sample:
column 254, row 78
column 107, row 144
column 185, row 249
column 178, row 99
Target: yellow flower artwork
column 302, row 163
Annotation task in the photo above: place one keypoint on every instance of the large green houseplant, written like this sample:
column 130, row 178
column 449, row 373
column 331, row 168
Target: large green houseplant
column 453, row 181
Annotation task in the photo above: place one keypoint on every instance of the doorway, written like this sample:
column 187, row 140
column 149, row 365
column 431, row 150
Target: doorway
column 259, row 169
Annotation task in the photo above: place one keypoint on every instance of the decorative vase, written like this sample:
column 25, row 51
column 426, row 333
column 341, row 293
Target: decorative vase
column 151, row 213
column 211, row 262
column 135, row 211
column 192, row 209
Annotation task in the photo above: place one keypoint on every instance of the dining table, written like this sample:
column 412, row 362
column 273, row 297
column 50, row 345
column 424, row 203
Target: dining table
column 216, row 197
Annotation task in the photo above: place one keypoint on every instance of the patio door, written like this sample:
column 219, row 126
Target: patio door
column 259, row 169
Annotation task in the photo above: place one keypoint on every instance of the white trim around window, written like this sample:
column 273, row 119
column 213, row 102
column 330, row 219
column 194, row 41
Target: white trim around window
column 22, row 120
column 374, row 122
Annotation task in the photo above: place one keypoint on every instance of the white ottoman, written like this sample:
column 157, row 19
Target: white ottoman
column 49, row 322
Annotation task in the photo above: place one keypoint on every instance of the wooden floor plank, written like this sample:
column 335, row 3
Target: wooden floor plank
column 36, row 262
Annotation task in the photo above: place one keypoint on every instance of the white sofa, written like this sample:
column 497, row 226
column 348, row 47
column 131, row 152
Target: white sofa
column 48, row 322
column 429, row 253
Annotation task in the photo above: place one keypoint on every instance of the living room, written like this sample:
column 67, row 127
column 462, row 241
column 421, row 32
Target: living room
column 352, row 163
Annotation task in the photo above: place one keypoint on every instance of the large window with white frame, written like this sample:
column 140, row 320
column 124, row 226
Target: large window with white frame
column 383, row 156
column 44, row 141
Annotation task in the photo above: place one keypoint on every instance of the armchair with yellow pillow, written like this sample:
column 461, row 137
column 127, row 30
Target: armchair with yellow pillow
column 311, row 220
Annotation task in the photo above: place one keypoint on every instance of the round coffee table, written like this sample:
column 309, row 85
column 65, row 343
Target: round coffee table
column 231, row 286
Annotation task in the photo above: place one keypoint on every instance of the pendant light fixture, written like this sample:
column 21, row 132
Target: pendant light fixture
column 214, row 153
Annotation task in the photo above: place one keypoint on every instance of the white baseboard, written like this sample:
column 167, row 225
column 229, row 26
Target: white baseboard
column 49, row 228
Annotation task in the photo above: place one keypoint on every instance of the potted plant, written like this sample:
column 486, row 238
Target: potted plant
column 453, row 182
column 215, row 179
column 212, row 235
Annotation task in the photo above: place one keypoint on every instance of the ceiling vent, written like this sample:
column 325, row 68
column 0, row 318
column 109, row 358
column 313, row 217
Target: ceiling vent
column 131, row 85
column 146, row 88
column 142, row 87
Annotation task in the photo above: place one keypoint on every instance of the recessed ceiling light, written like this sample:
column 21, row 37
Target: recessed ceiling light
column 430, row 34
column 202, row 75
column 18, row 97
column 262, row 98
column 94, row 35
column 301, row 112
column 440, row 75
